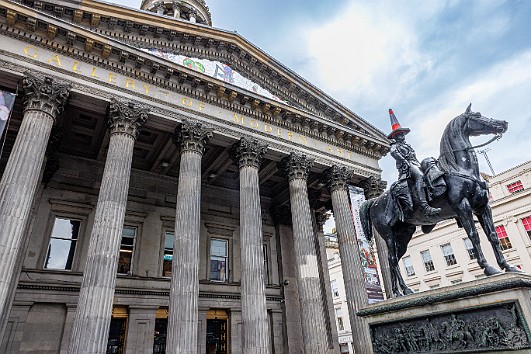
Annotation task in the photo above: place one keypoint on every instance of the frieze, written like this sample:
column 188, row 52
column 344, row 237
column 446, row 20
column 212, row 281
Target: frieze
column 493, row 328
column 219, row 125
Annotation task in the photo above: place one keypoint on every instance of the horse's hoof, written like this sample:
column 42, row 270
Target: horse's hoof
column 490, row 270
column 512, row 269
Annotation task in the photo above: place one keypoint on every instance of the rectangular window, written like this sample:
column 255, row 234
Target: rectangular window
column 428, row 262
column 527, row 225
column 127, row 247
column 62, row 247
column 469, row 248
column 505, row 242
column 169, row 239
column 218, row 259
column 515, row 187
column 335, row 288
column 448, row 253
column 409, row 266
column 339, row 316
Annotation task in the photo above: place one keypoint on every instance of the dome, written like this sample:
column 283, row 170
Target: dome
column 195, row 11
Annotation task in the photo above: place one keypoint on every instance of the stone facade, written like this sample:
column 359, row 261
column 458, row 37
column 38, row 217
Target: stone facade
column 153, row 208
column 510, row 200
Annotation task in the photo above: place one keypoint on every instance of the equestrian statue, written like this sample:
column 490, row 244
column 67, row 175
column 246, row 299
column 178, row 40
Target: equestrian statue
column 435, row 190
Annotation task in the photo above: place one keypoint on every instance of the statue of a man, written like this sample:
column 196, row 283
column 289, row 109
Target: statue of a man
column 408, row 166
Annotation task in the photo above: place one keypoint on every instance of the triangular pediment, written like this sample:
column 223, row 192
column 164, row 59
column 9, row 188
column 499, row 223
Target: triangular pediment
column 172, row 52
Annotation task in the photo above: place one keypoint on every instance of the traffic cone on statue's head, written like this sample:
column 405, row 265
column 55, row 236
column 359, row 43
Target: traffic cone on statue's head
column 396, row 126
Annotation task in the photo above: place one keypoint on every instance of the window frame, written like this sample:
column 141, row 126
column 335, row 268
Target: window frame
column 227, row 259
column 134, row 251
column 515, row 187
column 166, row 231
column 77, row 250
column 336, row 288
column 410, row 270
column 429, row 262
column 526, row 223
column 449, row 258
column 503, row 238
column 339, row 319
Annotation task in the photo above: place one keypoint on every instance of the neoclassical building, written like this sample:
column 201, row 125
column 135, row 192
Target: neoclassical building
column 164, row 184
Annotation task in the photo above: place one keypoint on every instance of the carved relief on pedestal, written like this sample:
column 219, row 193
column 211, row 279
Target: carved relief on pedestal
column 248, row 152
column 191, row 136
column 126, row 117
column 337, row 178
column 296, row 166
column 44, row 94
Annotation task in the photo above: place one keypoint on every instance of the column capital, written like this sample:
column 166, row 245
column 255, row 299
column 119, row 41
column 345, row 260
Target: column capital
column 337, row 177
column 44, row 94
column 191, row 136
column 248, row 152
column 320, row 219
column 374, row 186
column 296, row 166
column 126, row 117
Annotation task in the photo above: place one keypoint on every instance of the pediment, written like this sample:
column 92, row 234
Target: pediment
column 107, row 34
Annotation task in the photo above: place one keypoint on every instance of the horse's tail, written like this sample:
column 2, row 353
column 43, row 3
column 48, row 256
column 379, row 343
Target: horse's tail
column 365, row 217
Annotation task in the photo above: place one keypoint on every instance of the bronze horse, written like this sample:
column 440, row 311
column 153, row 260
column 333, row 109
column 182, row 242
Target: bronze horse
column 466, row 195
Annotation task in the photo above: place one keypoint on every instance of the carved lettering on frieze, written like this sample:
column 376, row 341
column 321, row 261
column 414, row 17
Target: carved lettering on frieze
column 126, row 117
column 44, row 94
column 191, row 137
column 248, row 152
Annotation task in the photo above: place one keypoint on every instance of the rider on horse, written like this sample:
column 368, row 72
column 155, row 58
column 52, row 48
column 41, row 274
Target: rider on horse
column 408, row 166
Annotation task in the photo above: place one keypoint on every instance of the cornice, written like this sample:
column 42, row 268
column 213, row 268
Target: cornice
column 140, row 27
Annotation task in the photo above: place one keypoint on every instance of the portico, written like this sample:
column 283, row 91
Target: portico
column 180, row 202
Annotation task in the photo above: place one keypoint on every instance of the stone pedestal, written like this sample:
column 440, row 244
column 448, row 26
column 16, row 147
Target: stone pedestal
column 487, row 315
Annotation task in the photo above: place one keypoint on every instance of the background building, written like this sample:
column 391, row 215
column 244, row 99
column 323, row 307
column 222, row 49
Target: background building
column 163, row 183
column 445, row 256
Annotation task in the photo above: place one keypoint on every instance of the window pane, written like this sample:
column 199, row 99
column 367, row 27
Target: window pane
column 169, row 239
column 218, row 268
column 129, row 231
column 126, row 249
column 65, row 228
column 60, row 254
column 409, row 266
column 218, row 248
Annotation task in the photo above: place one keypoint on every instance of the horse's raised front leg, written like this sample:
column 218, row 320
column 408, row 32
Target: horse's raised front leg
column 485, row 219
column 464, row 214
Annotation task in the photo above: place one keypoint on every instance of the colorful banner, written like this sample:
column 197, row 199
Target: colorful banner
column 7, row 100
column 368, row 260
column 215, row 69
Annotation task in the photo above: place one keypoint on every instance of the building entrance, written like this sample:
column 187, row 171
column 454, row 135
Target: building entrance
column 217, row 333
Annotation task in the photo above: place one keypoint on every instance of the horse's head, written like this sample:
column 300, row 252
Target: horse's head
column 476, row 124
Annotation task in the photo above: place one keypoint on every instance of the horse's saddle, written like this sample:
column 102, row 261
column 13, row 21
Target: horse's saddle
column 434, row 186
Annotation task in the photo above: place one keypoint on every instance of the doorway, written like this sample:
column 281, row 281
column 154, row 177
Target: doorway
column 217, row 333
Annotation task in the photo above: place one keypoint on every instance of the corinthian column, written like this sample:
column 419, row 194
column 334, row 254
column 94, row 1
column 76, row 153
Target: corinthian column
column 247, row 154
column 191, row 139
column 337, row 178
column 43, row 103
column 90, row 330
column 296, row 167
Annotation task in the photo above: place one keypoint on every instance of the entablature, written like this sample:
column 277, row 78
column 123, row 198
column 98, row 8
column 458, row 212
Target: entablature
column 146, row 30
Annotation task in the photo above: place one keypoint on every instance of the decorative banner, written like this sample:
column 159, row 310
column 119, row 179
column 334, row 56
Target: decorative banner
column 7, row 100
column 215, row 69
column 368, row 260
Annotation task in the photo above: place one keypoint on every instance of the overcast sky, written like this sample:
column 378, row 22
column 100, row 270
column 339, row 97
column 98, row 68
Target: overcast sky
column 425, row 59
